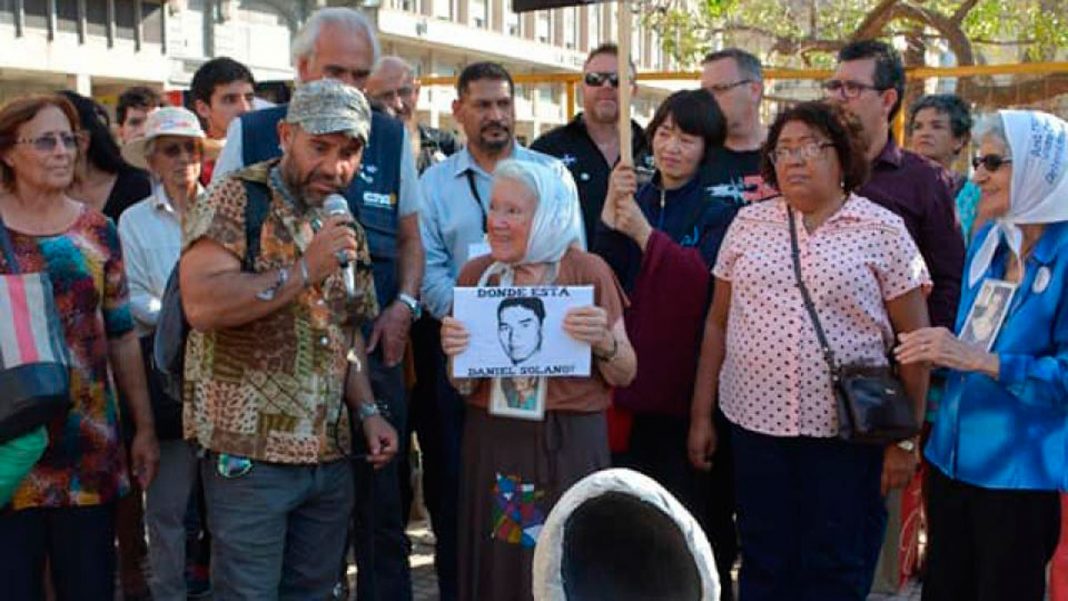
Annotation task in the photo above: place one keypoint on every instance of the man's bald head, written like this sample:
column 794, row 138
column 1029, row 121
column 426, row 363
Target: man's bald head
column 392, row 85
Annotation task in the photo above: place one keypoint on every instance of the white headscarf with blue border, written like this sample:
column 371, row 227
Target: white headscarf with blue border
column 1039, row 190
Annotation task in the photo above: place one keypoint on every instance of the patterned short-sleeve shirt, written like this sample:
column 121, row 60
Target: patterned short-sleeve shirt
column 774, row 380
column 271, row 389
column 84, row 463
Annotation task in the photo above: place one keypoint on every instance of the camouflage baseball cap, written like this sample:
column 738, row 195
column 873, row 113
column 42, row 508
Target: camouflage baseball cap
column 327, row 106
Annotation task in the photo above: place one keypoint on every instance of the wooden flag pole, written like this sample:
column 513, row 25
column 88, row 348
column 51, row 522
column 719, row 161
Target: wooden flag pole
column 623, row 70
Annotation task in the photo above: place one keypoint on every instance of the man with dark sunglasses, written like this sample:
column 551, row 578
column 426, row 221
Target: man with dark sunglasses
column 589, row 144
column 869, row 82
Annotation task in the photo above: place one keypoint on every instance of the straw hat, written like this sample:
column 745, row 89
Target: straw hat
column 167, row 121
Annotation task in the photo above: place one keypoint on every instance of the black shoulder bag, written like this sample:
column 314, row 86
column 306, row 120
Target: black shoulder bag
column 871, row 401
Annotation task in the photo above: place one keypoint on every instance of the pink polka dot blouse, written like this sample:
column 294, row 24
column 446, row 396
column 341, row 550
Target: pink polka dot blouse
column 774, row 379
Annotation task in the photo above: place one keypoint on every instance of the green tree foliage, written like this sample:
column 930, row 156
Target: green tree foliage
column 807, row 33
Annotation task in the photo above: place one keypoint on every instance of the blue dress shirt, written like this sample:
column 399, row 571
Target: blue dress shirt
column 1012, row 433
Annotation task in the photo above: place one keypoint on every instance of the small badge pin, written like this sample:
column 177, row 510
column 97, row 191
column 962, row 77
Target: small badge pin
column 1042, row 279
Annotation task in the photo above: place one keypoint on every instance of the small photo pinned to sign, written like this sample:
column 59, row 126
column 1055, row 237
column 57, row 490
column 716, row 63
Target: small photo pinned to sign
column 988, row 313
column 521, row 397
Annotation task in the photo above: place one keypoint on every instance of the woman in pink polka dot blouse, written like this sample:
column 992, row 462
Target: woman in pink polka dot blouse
column 811, row 514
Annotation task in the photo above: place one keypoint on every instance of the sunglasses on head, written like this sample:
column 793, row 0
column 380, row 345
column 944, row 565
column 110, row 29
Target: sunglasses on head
column 174, row 149
column 597, row 79
column 992, row 162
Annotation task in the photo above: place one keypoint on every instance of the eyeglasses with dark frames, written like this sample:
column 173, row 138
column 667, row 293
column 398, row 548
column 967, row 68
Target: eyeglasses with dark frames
column 47, row 142
column 719, row 88
column 848, row 89
column 991, row 162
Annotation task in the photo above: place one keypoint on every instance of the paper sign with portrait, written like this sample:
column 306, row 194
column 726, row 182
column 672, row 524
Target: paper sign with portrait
column 518, row 332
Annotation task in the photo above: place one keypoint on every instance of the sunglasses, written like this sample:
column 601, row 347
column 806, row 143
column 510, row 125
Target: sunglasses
column 596, row 79
column 174, row 149
column 992, row 162
column 232, row 466
column 48, row 142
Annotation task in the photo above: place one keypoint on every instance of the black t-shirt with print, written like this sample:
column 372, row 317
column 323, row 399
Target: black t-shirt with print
column 736, row 175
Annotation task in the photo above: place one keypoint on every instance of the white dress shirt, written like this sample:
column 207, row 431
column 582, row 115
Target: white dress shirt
column 151, row 236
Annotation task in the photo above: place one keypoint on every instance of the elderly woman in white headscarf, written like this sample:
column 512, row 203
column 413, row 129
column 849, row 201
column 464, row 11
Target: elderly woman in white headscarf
column 514, row 469
column 999, row 448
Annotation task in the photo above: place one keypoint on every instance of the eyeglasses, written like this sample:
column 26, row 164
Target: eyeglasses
column 174, row 149
column 805, row 152
column 48, row 142
column 848, row 89
column 596, row 79
column 391, row 95
column 719, row 88
column 992, row 162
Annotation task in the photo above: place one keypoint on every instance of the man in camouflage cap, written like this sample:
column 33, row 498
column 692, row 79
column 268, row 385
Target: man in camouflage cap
column 276, row 348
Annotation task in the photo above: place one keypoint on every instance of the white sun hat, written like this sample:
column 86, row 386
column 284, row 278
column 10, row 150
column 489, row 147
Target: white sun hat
column 165, row 121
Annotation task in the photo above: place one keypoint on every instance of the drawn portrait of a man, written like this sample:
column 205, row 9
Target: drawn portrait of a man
column 519, row 327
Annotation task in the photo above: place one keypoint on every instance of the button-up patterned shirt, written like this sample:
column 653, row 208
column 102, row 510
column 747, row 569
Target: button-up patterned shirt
column 774, row 378
column 271, row 389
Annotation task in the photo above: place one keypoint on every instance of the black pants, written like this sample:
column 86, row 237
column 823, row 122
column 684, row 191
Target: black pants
column 657, row 448
column 985, row 544
column 810, row 514
column 380, row 544
column 437, row 414
column 77, row 541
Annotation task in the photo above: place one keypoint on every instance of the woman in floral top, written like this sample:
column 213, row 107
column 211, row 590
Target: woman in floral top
column 64, row 509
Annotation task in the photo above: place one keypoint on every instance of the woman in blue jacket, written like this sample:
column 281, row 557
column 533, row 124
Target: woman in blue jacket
column 999, row 445
column 661, row 239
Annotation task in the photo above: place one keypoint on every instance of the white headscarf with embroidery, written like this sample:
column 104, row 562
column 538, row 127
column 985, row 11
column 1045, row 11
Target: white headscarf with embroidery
column 1039, row 191
column 557, row 224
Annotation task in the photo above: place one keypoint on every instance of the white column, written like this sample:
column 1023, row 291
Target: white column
column 82, row 84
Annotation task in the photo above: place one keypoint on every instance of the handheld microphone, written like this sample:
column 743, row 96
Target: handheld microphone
column 335, row 205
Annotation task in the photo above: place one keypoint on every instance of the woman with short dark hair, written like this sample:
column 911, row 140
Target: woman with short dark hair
column 64, row 511
column 810, row 506
column 661, row 239
column 939, row 128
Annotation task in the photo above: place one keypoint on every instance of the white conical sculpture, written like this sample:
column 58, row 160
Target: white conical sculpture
column 618, row 535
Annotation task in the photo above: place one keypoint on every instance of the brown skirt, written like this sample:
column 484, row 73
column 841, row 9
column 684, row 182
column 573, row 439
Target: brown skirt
column 512, row 474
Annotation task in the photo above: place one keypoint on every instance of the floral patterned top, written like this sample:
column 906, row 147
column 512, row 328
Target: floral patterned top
column 774, row 379
column 271, row 389
column 84, row 463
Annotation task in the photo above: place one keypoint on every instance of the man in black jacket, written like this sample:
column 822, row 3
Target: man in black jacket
column 589, row 144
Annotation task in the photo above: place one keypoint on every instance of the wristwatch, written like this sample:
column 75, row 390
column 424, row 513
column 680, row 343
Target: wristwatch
column 908, row 445
column 366, row 410
column 412, row 303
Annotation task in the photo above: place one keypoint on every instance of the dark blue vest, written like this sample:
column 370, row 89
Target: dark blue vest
column 373, row 195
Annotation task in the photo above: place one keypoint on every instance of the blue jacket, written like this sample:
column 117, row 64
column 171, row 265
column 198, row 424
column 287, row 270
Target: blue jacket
column 693, row 216
column 1012, row 433
column 372, row 195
